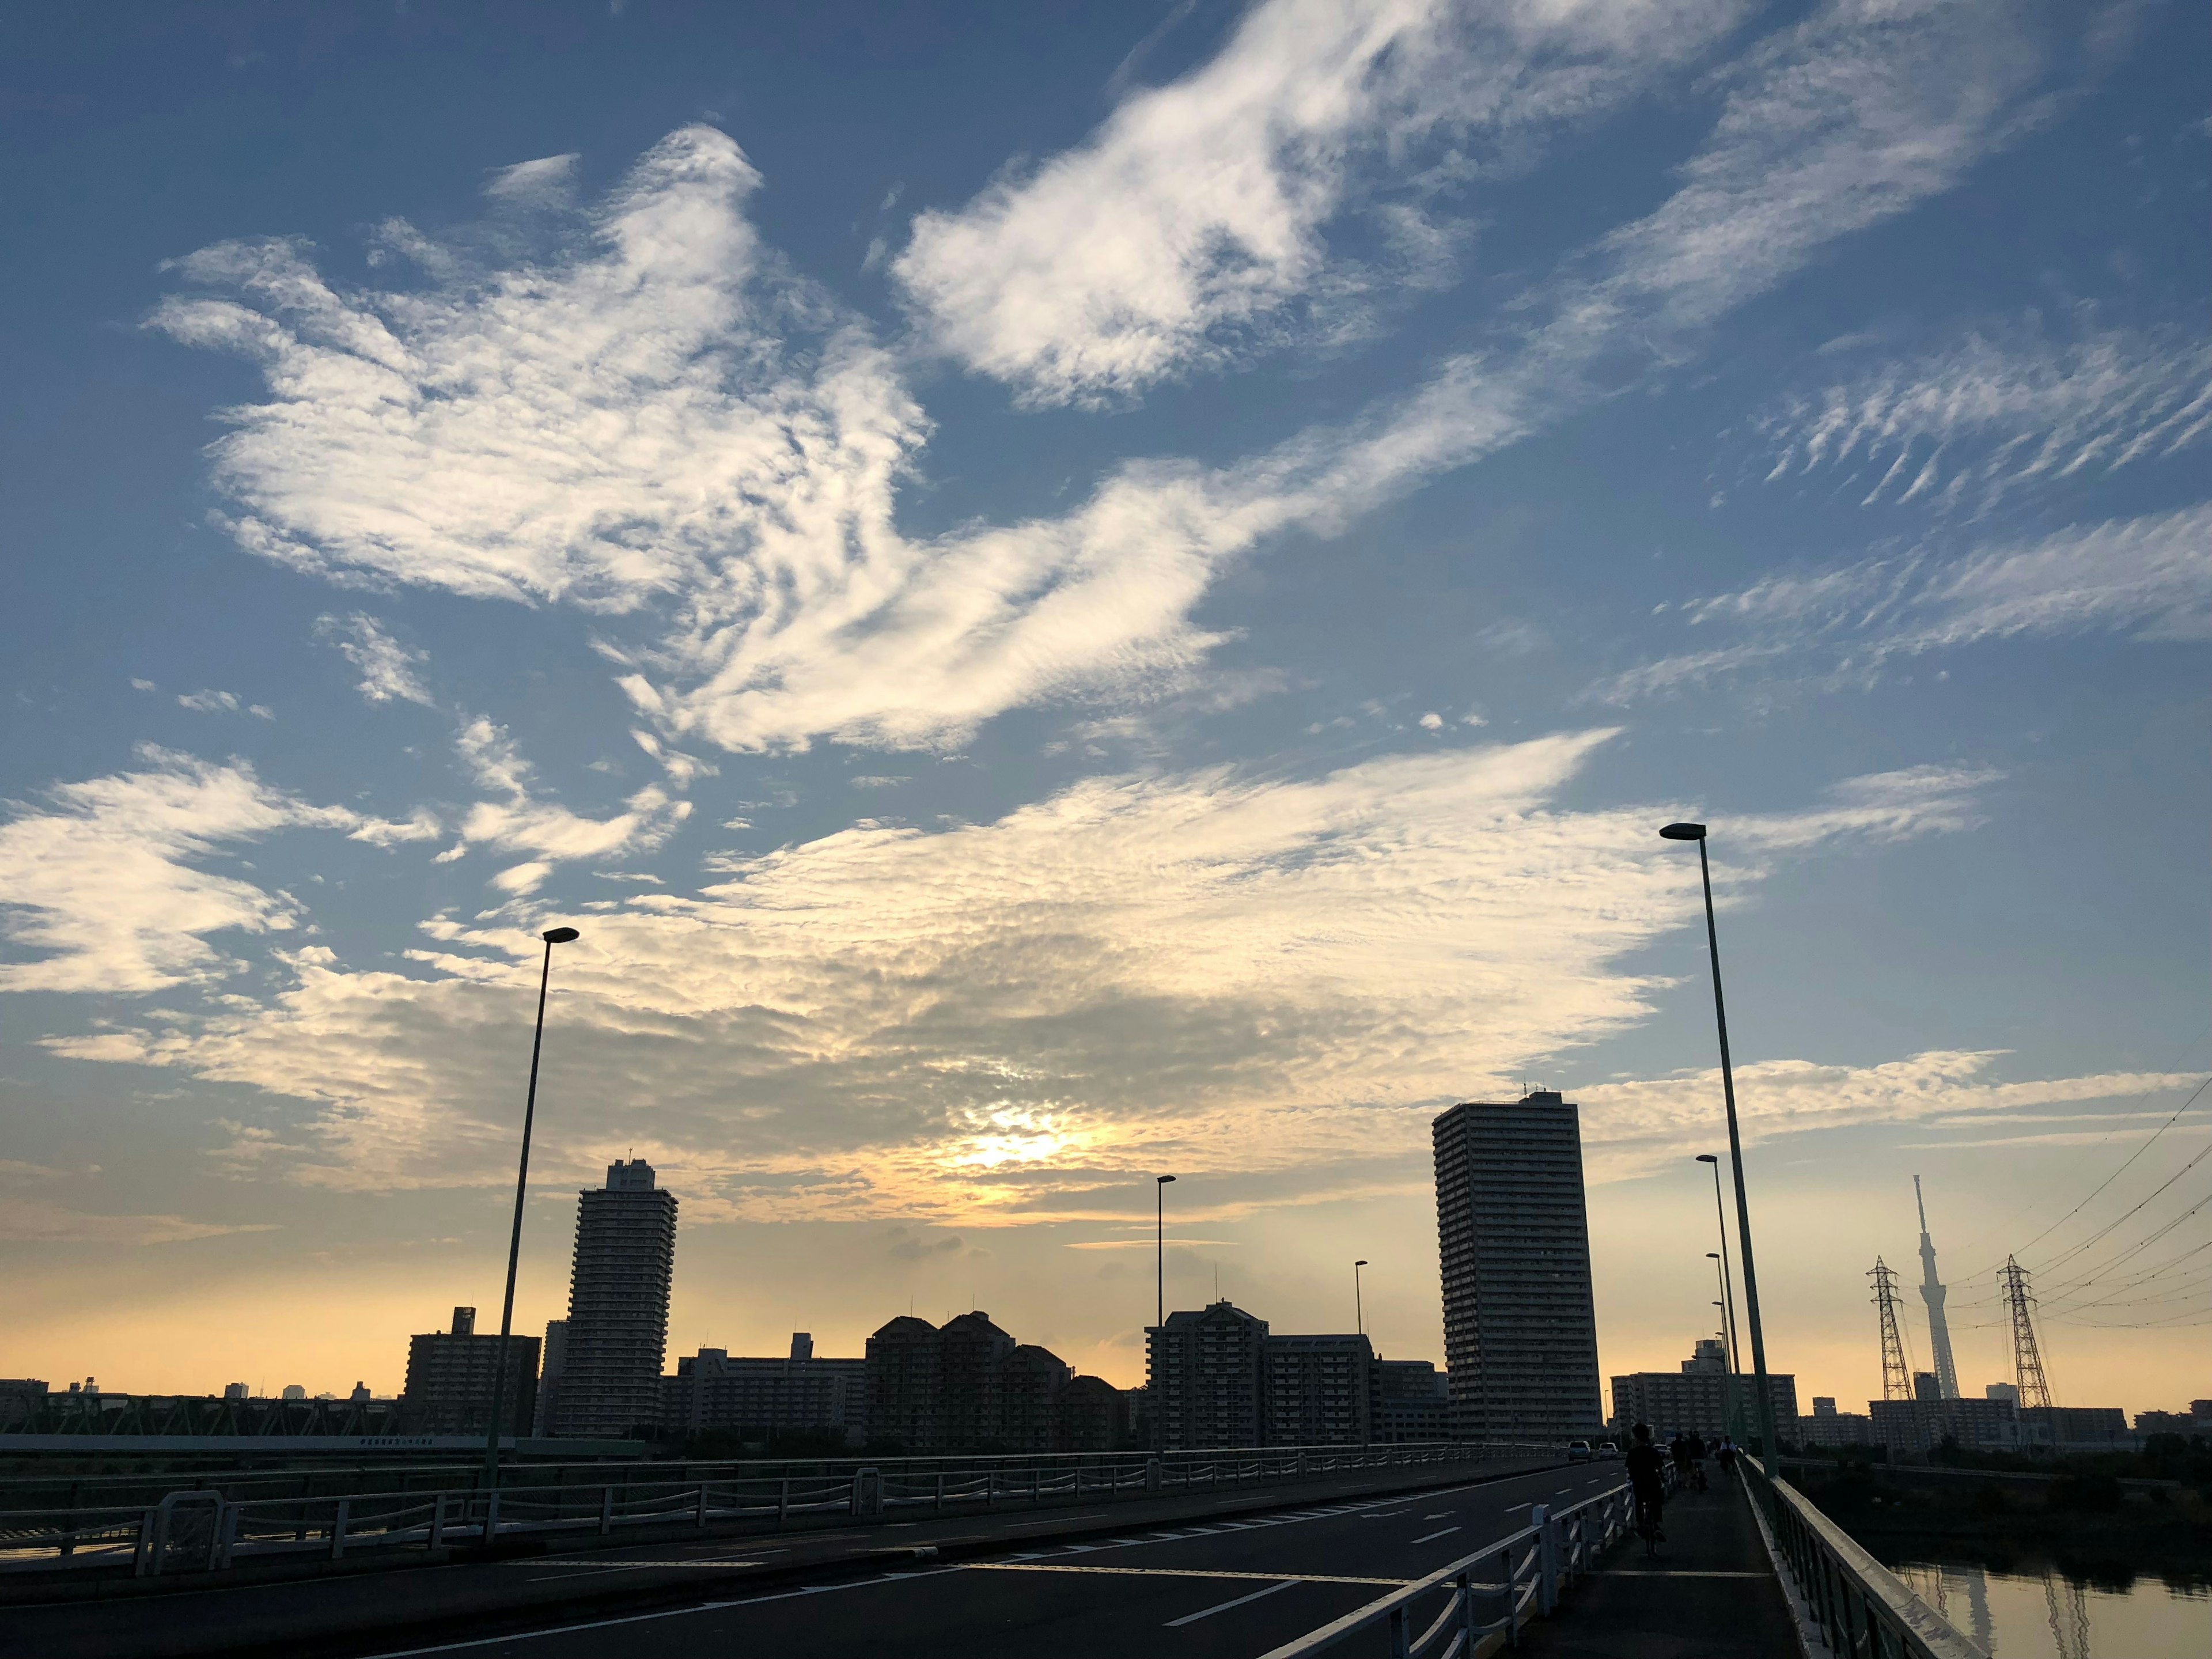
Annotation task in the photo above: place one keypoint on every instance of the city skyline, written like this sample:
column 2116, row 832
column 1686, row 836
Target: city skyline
column 1066, row 600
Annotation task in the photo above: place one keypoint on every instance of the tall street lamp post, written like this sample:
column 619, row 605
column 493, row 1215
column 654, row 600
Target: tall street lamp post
column 1358, row 1308
column 1770, row 1446
column 552, row 937
column 1160, row 1248
column 1728, row 1289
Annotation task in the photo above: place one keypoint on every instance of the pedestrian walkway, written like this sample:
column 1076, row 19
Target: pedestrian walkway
column 1710, row 1593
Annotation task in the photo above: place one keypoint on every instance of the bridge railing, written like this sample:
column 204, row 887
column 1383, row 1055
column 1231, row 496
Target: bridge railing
column 1860, row 1607
column 1487, row 1595
column 205, row 1530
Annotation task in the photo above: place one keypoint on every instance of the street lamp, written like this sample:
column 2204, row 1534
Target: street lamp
column 552, row 937
column 1160, row 1246
column 1359, row 1308
column 1727, row 1332
column 1768, row 1444
column 1720, row 1225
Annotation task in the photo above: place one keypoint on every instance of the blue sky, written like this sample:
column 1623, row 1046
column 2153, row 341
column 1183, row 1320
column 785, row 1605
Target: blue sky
column 1069, row 592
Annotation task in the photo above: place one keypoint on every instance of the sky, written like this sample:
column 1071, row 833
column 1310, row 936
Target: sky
column 1069, row 592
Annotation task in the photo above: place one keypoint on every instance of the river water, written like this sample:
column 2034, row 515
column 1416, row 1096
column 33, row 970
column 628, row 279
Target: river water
column 2047, row 1615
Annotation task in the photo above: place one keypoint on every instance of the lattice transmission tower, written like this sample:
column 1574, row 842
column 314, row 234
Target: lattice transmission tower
column 2027, row 1357
column 1896, row 1374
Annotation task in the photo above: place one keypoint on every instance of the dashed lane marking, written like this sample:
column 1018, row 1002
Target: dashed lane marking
column 1432, row 1537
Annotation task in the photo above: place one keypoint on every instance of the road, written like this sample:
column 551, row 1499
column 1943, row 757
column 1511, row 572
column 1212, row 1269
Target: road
column 1219, row 1588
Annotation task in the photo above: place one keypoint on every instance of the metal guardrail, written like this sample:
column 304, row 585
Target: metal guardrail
column 1533, row 1568
column 1860, row 1607
column 204, row 1530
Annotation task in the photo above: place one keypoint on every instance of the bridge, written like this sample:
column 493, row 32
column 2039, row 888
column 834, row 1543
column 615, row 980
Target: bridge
column 1443, row 1551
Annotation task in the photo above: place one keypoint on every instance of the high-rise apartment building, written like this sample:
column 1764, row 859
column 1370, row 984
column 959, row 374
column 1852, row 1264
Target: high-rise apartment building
column 1520, row 1326
column 449, row 1381
column 1207, row 1372
column 617, row 1335
column 1321, row 1390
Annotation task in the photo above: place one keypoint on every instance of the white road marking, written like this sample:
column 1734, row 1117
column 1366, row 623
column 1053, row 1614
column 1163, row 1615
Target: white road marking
column 1433, row 1536
column 1441, row 1515
column 1208, row 1613
column 1183, row 1572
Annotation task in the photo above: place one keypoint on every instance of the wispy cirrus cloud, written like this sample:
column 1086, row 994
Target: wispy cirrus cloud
column 2003, row 411
column 387, row 668
column 1190, row 227
column 523, row 822
column 2149, row 578
column 1632, row 1125
column 998, row 1019
column 656, row 421
column 103, row 879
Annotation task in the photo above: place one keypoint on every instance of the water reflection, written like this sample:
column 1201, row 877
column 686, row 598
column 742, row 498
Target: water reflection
column 2049, row 1616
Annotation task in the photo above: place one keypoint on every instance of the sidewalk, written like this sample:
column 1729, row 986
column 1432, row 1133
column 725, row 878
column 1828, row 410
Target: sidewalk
column 1711, row 1594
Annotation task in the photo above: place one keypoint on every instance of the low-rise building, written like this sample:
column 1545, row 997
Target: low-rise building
column 760, row 1397
column 969, row 1386
column 1828, row 1427
column 1912, row 1429
column 449, row 1381
column 1704, row 1396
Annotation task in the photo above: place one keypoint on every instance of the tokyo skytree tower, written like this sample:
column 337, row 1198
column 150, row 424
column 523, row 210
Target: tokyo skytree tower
column 1932, row 1292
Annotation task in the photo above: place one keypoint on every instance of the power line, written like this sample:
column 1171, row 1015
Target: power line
column 2116, row 1174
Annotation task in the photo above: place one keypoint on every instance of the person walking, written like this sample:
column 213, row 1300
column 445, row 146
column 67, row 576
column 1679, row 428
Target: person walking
column 1647, row 1480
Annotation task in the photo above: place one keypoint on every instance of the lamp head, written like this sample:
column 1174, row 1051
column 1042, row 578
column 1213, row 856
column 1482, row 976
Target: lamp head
column 1707, row 1158
column 558, row 935
column 1162, row 1181
column 1712, row 1256
column 1683, row 832
column 1359, row 1263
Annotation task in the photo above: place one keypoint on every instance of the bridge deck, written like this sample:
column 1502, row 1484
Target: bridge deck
column 1711, row 1594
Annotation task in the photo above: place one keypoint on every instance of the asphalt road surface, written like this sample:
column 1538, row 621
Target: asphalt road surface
column 1219, row 1588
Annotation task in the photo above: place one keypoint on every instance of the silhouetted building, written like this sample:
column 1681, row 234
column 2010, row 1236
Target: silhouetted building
column 760, row 1397
column 901, row 1369
column 971, row 1386
column 1829, row 1427
column 972, row 1353
column 1319, row 1391
column 1913, row 1428
column 2076, row 1428
column 554, row 1355
column 449, row 1381
column 1031, row 1380
column 1698, row 1396
column 617, row 1337
column 1519, row 1325
column 1412, row 1402
column 1207, row 1372
column 1091, row 1415
column 20, row 1398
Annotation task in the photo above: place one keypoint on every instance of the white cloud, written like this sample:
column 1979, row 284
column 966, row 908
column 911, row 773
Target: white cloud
column 101, row 885
column 522, row 823
column 1243, row 975
column 2149, row 577
column 387, row 667
column 1632, row 1126
column 1191, row 222
column 217, row 703
column 2003, row 410
column 656, row 418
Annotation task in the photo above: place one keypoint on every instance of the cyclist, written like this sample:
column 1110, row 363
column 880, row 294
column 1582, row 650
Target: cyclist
column 1647, row 1479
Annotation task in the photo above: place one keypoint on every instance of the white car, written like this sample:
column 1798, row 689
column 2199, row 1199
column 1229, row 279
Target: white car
column 1607, row 1449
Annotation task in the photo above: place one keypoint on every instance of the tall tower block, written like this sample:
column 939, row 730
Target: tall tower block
column 1932, row 1292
